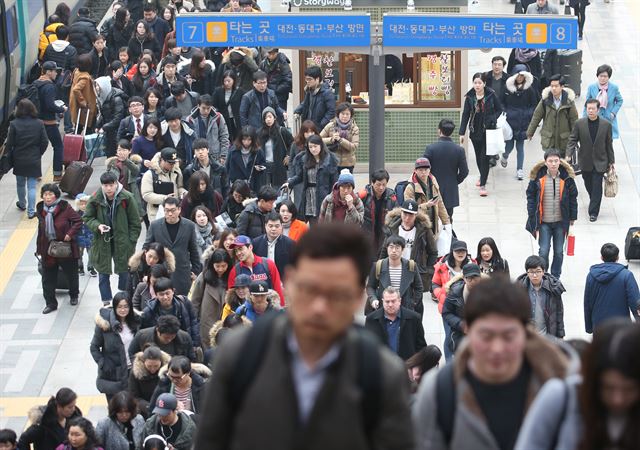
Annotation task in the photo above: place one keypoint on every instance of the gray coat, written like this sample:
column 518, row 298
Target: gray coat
column 554, row 309
column 111, row 434
column 270, row 401
column 470, row 429
column 185, row 248
column 592, row 156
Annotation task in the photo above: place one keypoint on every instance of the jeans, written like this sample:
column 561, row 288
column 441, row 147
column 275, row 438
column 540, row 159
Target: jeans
column 547, row 232
column 53, row 133
column 50, row 280
column 27, row 198
column 519, row 148
column 447, row 338
column 593, row 185
column 482, row 160
column 104, row 284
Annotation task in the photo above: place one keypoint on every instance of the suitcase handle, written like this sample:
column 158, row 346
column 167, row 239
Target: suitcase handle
column 86, row 121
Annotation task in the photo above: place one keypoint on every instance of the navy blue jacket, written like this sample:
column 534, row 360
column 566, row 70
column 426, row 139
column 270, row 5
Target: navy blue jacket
column 449, row 166
column 182, row 309
column 47, row 95
column 236, row 170
column 320, row 107
column 610, row 291
column 283, row 251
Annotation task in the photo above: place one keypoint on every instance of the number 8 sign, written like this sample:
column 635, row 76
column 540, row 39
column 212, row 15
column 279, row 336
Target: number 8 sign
column 561, row 34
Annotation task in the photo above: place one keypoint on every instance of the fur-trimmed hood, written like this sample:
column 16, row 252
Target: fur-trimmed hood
column 540, row 169
column 570, row 94
column 138, row 369
column 198, row 368
column 106, row 320
column 395, row 214
column 164, row 127
column 215, row 329
column 511, row 82
column 133, row 157
column 136, row 260
column 249, row 200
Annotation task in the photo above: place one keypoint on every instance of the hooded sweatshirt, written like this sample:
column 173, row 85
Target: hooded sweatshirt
column 104, row 83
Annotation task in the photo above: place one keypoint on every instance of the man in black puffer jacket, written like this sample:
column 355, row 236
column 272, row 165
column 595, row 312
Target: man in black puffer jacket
column 111, row 102
column 82, row 32
column 252, row 219
column 279, row 77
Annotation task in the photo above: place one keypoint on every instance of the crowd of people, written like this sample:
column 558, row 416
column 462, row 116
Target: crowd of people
column 248, row 226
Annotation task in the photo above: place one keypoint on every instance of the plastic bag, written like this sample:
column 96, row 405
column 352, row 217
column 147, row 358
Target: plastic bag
column 160, row 214
column 507, row 132
column 444, row 240
column 495, row 142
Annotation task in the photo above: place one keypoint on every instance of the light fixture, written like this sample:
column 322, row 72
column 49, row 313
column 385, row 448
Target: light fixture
column 411, row 5
column 347, row 5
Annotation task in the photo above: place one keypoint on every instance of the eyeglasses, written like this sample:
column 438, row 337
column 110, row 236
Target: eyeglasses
column 535, row 272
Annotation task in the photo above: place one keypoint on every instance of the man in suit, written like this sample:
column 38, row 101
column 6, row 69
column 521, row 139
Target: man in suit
column 448, row 165
column 273, row 244
column 592, row 135
column 131, row 126
column 178, row 235
column 398, row 272
column 288, row 371
column 397, row 327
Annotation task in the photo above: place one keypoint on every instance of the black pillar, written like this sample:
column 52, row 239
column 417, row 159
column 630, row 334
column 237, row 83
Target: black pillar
column 376, row 112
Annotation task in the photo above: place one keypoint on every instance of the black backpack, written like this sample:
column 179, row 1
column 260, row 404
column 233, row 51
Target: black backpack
column 399, row 189
column 29, row 91
column 255, row 346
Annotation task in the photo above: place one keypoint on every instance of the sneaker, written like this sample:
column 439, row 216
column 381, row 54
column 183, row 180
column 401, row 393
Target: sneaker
column 81, row 271
column 73, row 301
column 520, row 174
column 31, row 216
column 49, row 309
column 478, row 183
column 20, row 207
column 483, row 191
column 92, row 271
column 593, row 218
column 504, row 162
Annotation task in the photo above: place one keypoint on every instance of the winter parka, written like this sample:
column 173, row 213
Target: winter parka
column 492, row 110
column 535, row 194
column 208, row 302
column 279, row 76
column 554, row 308
column 520, row 104
column 182, row 309
column 26, row 143
column 109, row 353
column 136, row 273
column 142, row 383
column 112, row 111
column 415, row 192
column 556, row 123
column 244, row 71
column 453, row 310
column 47, row 36
column 125, row 229
column 345, row 149
column 217, row 175
column 327, row 176
column 389, row 201
column 251, row 220
column 318, row 106
column 45, row 433
column 250, row 111
column 81, row 34
column 199, row 376
column 132, row 168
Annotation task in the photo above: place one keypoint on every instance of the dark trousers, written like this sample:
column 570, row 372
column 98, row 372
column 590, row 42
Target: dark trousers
column 593, row 185
column 482, row 160
column 50, row 280
column 450, row 212
column 53, row 133
column 580, row 12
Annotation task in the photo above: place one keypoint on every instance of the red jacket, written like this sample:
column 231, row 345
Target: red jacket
column 441, row 277
column 66, row 221
column 257, row 272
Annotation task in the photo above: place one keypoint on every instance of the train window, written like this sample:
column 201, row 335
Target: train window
column 12, row 28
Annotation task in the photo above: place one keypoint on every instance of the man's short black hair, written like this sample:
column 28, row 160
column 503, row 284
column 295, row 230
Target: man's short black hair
column 609, row 252
column 557, row 77
column 267, row 193
column 206, row 100
column 178, row 88
column 181, row 363
column 592, row 100
column 149, row 7
column 499, row 296
column 124, row 143
column 605, row 68
column 162, row 284
column 171, row 201
column 62, row 32
column 313, row 72
column 168, row 324
column 172, row 113
column 200, row 143
column 97, row 37
column 273, row 216
column 336, row 240
column 499, row 58
column 446, row 127
column 394, row 239
column 259, row 75
column 134, row 99
column 379, row 175
column 83, row 12
column 8, row 436
column 108, row 178
column 552, row 152
column 535, row 261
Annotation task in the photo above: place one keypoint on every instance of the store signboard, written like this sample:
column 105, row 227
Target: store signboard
column 273, row 30
column 464, row 31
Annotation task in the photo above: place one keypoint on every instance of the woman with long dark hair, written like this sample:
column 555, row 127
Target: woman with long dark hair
column 153, row 106
column 207, row 231
column 481, row 111
column 601, row 409
column 317, row 171
column 199, row 74
column 201, row 193
column 144, row 78
column 115, row 328
column 148, row 143
column 276, row 141
column 141, row 262
column 49, row 422
column 489, row 259
column 143, row 39
column 80, row 436
column 246, row 159
column 123, row 428
column 120, row 33
column 209, row 291
column 234, row 203
column 297, row 148
column 227, row 99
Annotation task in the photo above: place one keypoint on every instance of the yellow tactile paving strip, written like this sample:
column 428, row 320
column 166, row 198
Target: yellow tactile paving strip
column 20, row 406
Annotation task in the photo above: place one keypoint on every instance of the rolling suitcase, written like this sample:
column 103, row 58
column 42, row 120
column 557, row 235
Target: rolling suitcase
column 77, row 174
column 570, row 62
column 73, row 143
column 632, row 244
column 61, row 282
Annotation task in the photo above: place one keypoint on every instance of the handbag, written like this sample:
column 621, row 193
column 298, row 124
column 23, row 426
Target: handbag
column 611, row 183
column 6, row 161
column 495, row 142
column 59, row 249
column 575, row 165
column 507, row 132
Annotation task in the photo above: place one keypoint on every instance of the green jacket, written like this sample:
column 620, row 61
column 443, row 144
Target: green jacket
column 557, row 123
column 125, row 230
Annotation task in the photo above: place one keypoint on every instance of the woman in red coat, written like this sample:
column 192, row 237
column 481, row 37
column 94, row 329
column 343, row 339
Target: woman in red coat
column 57, row 221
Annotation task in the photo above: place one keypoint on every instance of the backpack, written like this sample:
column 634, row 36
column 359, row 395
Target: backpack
column 64, row 80
column 412, row 267
column 399, row 189
column 29, row 91
column 254, row 348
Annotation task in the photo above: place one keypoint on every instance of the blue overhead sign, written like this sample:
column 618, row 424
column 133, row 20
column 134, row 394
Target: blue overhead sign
column 464, row 31
column 275, row 30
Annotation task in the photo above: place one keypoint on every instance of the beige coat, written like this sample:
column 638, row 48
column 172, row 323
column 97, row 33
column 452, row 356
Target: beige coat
column 421, row 199
column 83, row 95
column 346, row 151
column 146, row 186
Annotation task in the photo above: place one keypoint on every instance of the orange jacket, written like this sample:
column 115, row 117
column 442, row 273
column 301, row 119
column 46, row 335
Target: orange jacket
column 441, row 277
column 298, row 228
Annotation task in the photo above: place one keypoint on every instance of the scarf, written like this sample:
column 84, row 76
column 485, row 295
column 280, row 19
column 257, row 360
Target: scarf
column 343, row 128
column 49, row 228
column 603, row 95
column 526, row 54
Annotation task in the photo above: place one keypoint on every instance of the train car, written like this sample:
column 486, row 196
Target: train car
column 21, row 22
